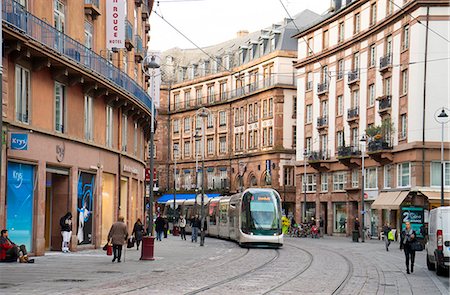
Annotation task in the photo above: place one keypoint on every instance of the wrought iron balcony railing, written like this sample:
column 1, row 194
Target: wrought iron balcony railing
column 348, row 151
column 385, row 103
column 352, row 113
column 353, row 76
column 385, row 62
column 15, row 16
column 317, row 156
column 322, row 87
column 322, row 121
column 379, row 145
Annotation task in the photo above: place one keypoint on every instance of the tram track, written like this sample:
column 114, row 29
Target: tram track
column 233, row 278
column 344, row 282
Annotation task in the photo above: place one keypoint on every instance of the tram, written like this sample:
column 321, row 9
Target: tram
column 251, row 218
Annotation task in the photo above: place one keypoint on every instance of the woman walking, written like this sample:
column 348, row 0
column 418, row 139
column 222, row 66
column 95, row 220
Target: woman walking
column 66, row 231
column 118, row 235
column 407, row 238
column 138, row 232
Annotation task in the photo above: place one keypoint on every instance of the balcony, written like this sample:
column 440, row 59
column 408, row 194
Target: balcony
column 92, row 8
column 350, row 156
column 322, row 122
column 16, row 18
column 268, row 81
column 319, row 160
column 353, row 77
column 380, row 150
column 384, row 104
column 139, row 49
column 322, row 88
column 145, row 12
column 128, row 36
column 353, row 114
column 385, row 63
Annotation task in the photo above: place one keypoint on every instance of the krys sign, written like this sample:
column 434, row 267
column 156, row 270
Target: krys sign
column 19, row 141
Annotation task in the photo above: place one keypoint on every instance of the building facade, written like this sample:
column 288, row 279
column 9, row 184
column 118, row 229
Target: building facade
column 76, row 119
column 247, row 85
column 372, row 68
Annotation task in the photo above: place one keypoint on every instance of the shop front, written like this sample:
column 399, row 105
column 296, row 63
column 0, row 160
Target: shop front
column 108, row 205
column 85, row 208
column 340, row 217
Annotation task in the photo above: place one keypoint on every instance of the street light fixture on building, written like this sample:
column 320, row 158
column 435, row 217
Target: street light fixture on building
column 443, row 119
column 363, row 149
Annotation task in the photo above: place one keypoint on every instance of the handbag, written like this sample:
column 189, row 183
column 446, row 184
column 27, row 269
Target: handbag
column 109, row 250
column 390, row 236
column 130, row 243
column 416, row 246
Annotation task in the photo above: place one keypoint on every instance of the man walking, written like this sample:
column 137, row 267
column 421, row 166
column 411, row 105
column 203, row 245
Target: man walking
column 118, row 236
column 386, row 230
column 356, row 227
column 196, row 224
column 159, row 226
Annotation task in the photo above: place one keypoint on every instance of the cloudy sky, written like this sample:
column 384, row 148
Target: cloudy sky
column 207, row 22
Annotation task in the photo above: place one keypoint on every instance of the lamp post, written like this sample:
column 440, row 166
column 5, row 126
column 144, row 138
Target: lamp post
column 197, row 130
column 443, row 119
column 305, row 153
column 203, row 113
column 175, row 155
column 151, row 65
column 363, row 149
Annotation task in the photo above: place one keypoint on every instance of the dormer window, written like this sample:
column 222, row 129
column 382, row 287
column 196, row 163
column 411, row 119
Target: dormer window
column 226, row 61
column 191, row 73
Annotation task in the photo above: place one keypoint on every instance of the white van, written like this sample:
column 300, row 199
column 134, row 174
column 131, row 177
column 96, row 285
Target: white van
column 438, row 245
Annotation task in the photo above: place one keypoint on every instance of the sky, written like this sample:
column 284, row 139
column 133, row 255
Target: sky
column 208, row 22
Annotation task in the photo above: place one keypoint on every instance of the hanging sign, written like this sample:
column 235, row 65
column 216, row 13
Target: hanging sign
column 115, row 24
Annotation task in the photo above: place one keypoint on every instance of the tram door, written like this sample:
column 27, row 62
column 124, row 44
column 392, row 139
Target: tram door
column 234, row 219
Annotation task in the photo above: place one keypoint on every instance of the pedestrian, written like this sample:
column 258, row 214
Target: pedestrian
column 138, row 232
column 195, row 227
column 321, row 226
column 66, row 231
column 386, row 230
column 118, row 236
column 356, row 226
column 10, row 252
column 166, row 226
column 407, row 238
column 204, row 229
column 182, row 225
column 159, row 227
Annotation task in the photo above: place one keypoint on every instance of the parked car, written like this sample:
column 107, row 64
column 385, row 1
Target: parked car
column 438, row 245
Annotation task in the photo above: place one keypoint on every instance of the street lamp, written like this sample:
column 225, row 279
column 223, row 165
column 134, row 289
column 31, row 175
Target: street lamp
column 443, row 119
column 150, row 65
column 363, row 149
column 305, row 153
column 203, row 113
column 175, row 155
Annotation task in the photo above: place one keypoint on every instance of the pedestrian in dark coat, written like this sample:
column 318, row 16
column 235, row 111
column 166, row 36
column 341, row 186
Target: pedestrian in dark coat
column 407, row 238
column 118, row 236
column 356, row 227
column 386, row 230
column 166, row 226
column 138, row 232
column 159, row 227
column 66, row 231
column 196, row 224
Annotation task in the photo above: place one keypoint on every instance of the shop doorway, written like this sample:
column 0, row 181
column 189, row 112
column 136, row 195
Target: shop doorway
column 56, row 206
column 108, row 198
column 124, row 199
column 324, row 214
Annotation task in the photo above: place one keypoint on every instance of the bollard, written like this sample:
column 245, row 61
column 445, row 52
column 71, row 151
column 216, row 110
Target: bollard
column 147, row 249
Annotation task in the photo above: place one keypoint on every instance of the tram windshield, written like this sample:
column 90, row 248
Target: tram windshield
column 260, row 212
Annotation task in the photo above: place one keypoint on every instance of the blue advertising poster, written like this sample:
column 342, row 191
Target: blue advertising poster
column 268, row 177
column 415, row 216
column 19, row 203
column 19, row 141
column 85, row 207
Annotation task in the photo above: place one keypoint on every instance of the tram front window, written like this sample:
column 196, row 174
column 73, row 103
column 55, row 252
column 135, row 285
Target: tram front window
column 260, row 214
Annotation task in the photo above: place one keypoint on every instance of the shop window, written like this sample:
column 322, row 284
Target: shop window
column 340, row 217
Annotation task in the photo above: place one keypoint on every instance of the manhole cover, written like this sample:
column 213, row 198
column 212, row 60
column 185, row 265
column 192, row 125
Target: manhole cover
column 108, row 271
column 69, row 280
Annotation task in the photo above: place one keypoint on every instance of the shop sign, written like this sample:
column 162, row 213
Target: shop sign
column 130, row 169
column 19, row 141
column 115, row 24
column 415, row 216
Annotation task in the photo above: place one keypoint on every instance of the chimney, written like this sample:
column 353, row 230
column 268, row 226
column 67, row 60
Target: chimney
column 241, row 33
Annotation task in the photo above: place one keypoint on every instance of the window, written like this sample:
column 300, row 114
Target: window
column 324, row 108
column 210, row 121
column 324, row 182
column 403, row 126
column 250, row 113
column 341, row 32
column 294, row 136
column 270, row 136
column 309, row 113
column 388, row 176
column 187, row 125
column 388, row 46
column 223, row 91
column 24, row 3
column 222, row 118
column 60, row 105
column 124, row 132
column 294, row 106
column 59, row 15
column 325, row 75
column 404, row 82
column 387, row 86
column 357, row 24
column 109, row 125
column 356, row 61
column 176, row 99
column 324, row 144
column 210, row 144
column 340, row 73
column 211, row 94
column 88, row 118
column 22, row 95
column 135, row 139
column 270, row 107
column 373, row 55
column 273, row 44
column 310, row 183
column 373, row 13
column 187, row 98
column 325, row 39
column 250, row 139
column 371, row 179
column 88, row 33
column 340, row 138
column 236, row 142
column 198, row 96
column 308, row 145
column 289, row 175
column 355, row 98
column 264, row 142
column 310, row 46
column 436, row 174
column 371, row 95
column 340, row 105
column 355, row 178
column 222, row 144
column 264, row 108
column 309, row 81
column 405, row 37
column 198, row 147
column 125, row 62
column 339, row 180
column 242, row 137
column 176, row 126
column 404, row 175
column 187, row 149
column 355, row 136
column 390, row 7
column 176, row 149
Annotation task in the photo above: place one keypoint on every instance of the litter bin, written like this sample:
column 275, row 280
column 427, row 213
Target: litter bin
column 147, row 249
column 355, row 236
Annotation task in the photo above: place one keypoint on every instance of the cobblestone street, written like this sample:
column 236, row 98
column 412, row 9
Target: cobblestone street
column 303, row 266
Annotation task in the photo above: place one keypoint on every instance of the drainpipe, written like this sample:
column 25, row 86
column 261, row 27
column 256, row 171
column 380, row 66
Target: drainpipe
column 424, row 97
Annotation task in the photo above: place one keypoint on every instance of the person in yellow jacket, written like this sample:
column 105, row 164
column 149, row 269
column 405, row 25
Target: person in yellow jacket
column 285, row 223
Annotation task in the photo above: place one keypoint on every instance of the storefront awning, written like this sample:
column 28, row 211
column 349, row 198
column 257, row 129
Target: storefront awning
column 435, row 195
column 389, row 200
